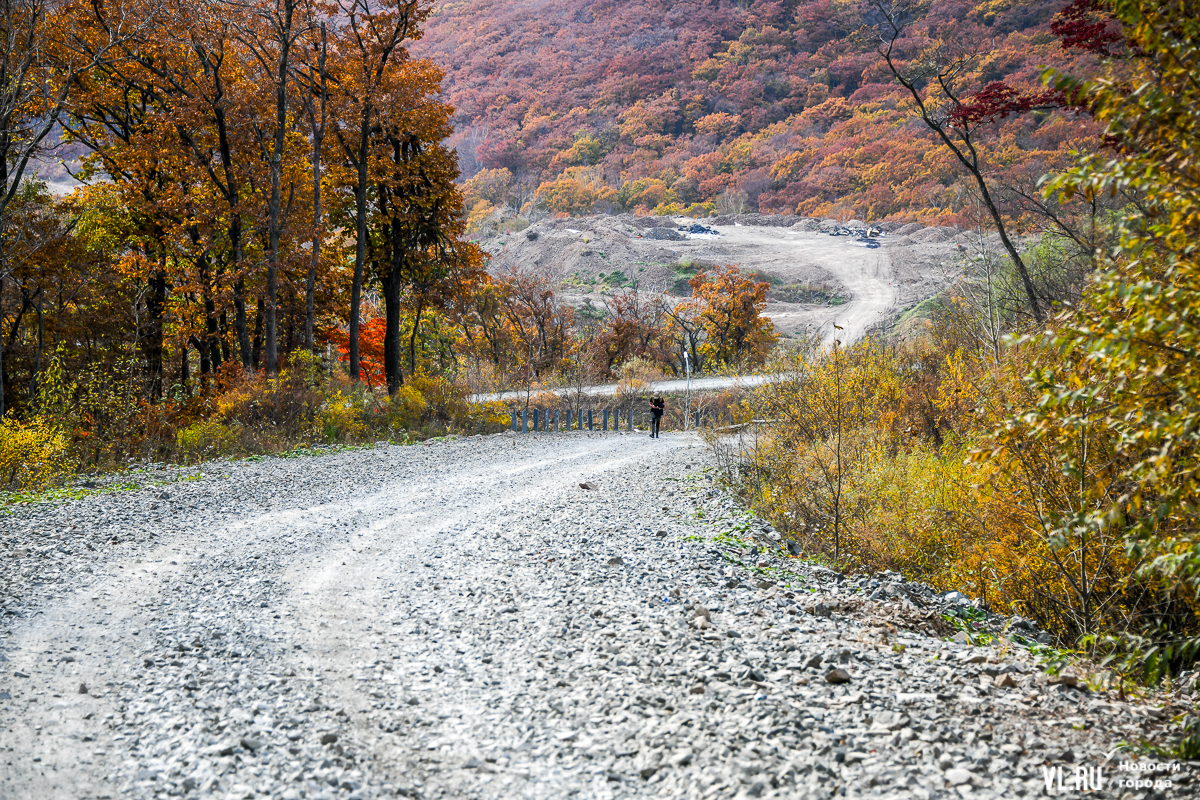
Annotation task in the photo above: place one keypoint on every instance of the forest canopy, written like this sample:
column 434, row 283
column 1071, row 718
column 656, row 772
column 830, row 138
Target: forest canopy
column 778, row 107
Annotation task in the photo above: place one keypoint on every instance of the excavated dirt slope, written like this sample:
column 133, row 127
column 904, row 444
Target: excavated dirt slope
column 854, row 286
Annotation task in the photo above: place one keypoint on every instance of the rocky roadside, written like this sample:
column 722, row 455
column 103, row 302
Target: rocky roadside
column 466, row 620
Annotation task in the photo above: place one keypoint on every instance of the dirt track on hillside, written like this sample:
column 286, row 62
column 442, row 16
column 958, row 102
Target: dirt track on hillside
column 864, row 275
column 581, row 254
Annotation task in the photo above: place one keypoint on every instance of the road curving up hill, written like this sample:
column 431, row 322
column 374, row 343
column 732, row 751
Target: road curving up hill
column 464, row 620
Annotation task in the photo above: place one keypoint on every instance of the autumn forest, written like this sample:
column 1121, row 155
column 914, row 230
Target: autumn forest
column 760, row 106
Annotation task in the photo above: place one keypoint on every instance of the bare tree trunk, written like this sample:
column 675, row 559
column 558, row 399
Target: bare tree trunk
column 392, row 348
column 310, row 283
column 211, row 331
column 156, row 302
column 360, row 245
column 257, row 341
column 274, row 233
column 942, row 75
column 412, row 339
column 239, row 297
column 37, row 358
column 1009, row 247
column 205, row 366
column 316, row 105
column 185, row 370
column 241, row 323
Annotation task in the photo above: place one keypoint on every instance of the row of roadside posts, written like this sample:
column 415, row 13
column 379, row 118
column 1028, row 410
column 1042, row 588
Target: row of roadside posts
column 556, row 420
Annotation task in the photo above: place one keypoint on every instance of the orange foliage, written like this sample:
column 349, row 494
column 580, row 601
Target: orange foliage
column 370, row 349
column 731, row 306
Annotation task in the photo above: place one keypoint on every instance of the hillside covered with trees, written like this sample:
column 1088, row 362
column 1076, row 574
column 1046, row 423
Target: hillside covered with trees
column 706, row 105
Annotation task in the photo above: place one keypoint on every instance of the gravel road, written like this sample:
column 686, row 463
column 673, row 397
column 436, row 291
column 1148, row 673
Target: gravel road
column 463, row 620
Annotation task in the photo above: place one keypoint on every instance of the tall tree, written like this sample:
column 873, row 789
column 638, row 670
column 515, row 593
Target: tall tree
column 421, row 212
column 312, row 75
column 44, row 47
column 370, row 50
column 270, row 37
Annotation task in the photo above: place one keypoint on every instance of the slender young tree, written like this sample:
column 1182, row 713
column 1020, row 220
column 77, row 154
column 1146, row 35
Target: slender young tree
column 421, row 217
column 933, row 79
column 312, row 76
column 270, row 36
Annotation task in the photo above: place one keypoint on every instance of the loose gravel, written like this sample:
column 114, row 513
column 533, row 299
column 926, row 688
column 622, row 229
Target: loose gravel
column 464, row 620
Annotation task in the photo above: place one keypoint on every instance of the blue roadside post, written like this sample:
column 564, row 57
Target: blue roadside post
column 604, row 425
column 535, row 421
column 524, row 420
column 591, row 423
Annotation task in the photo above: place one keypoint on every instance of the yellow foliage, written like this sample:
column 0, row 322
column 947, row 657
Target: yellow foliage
column 33, row 455
column 342, row 417
column 1007, row 510
column 407, row 407
column 832, row 410
column 207, row 439
column 917, row 516
column 576, row 191
column 493, row 416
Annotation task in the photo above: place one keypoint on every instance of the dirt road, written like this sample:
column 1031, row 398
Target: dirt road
column 464, row 620
column 865, row 276
column 592, row 258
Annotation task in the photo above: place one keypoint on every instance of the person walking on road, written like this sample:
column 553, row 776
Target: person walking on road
column 657, row 407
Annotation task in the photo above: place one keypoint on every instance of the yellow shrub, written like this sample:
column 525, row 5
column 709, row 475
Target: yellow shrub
column 303, row 369
column 406, row 408
column 234, row 403
column 493, row 416
column 287, row 403
column 445, row 400
column 917, row 513
column 429, row 403
column 206, row 439
column 342, row 417
column 33, row 455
